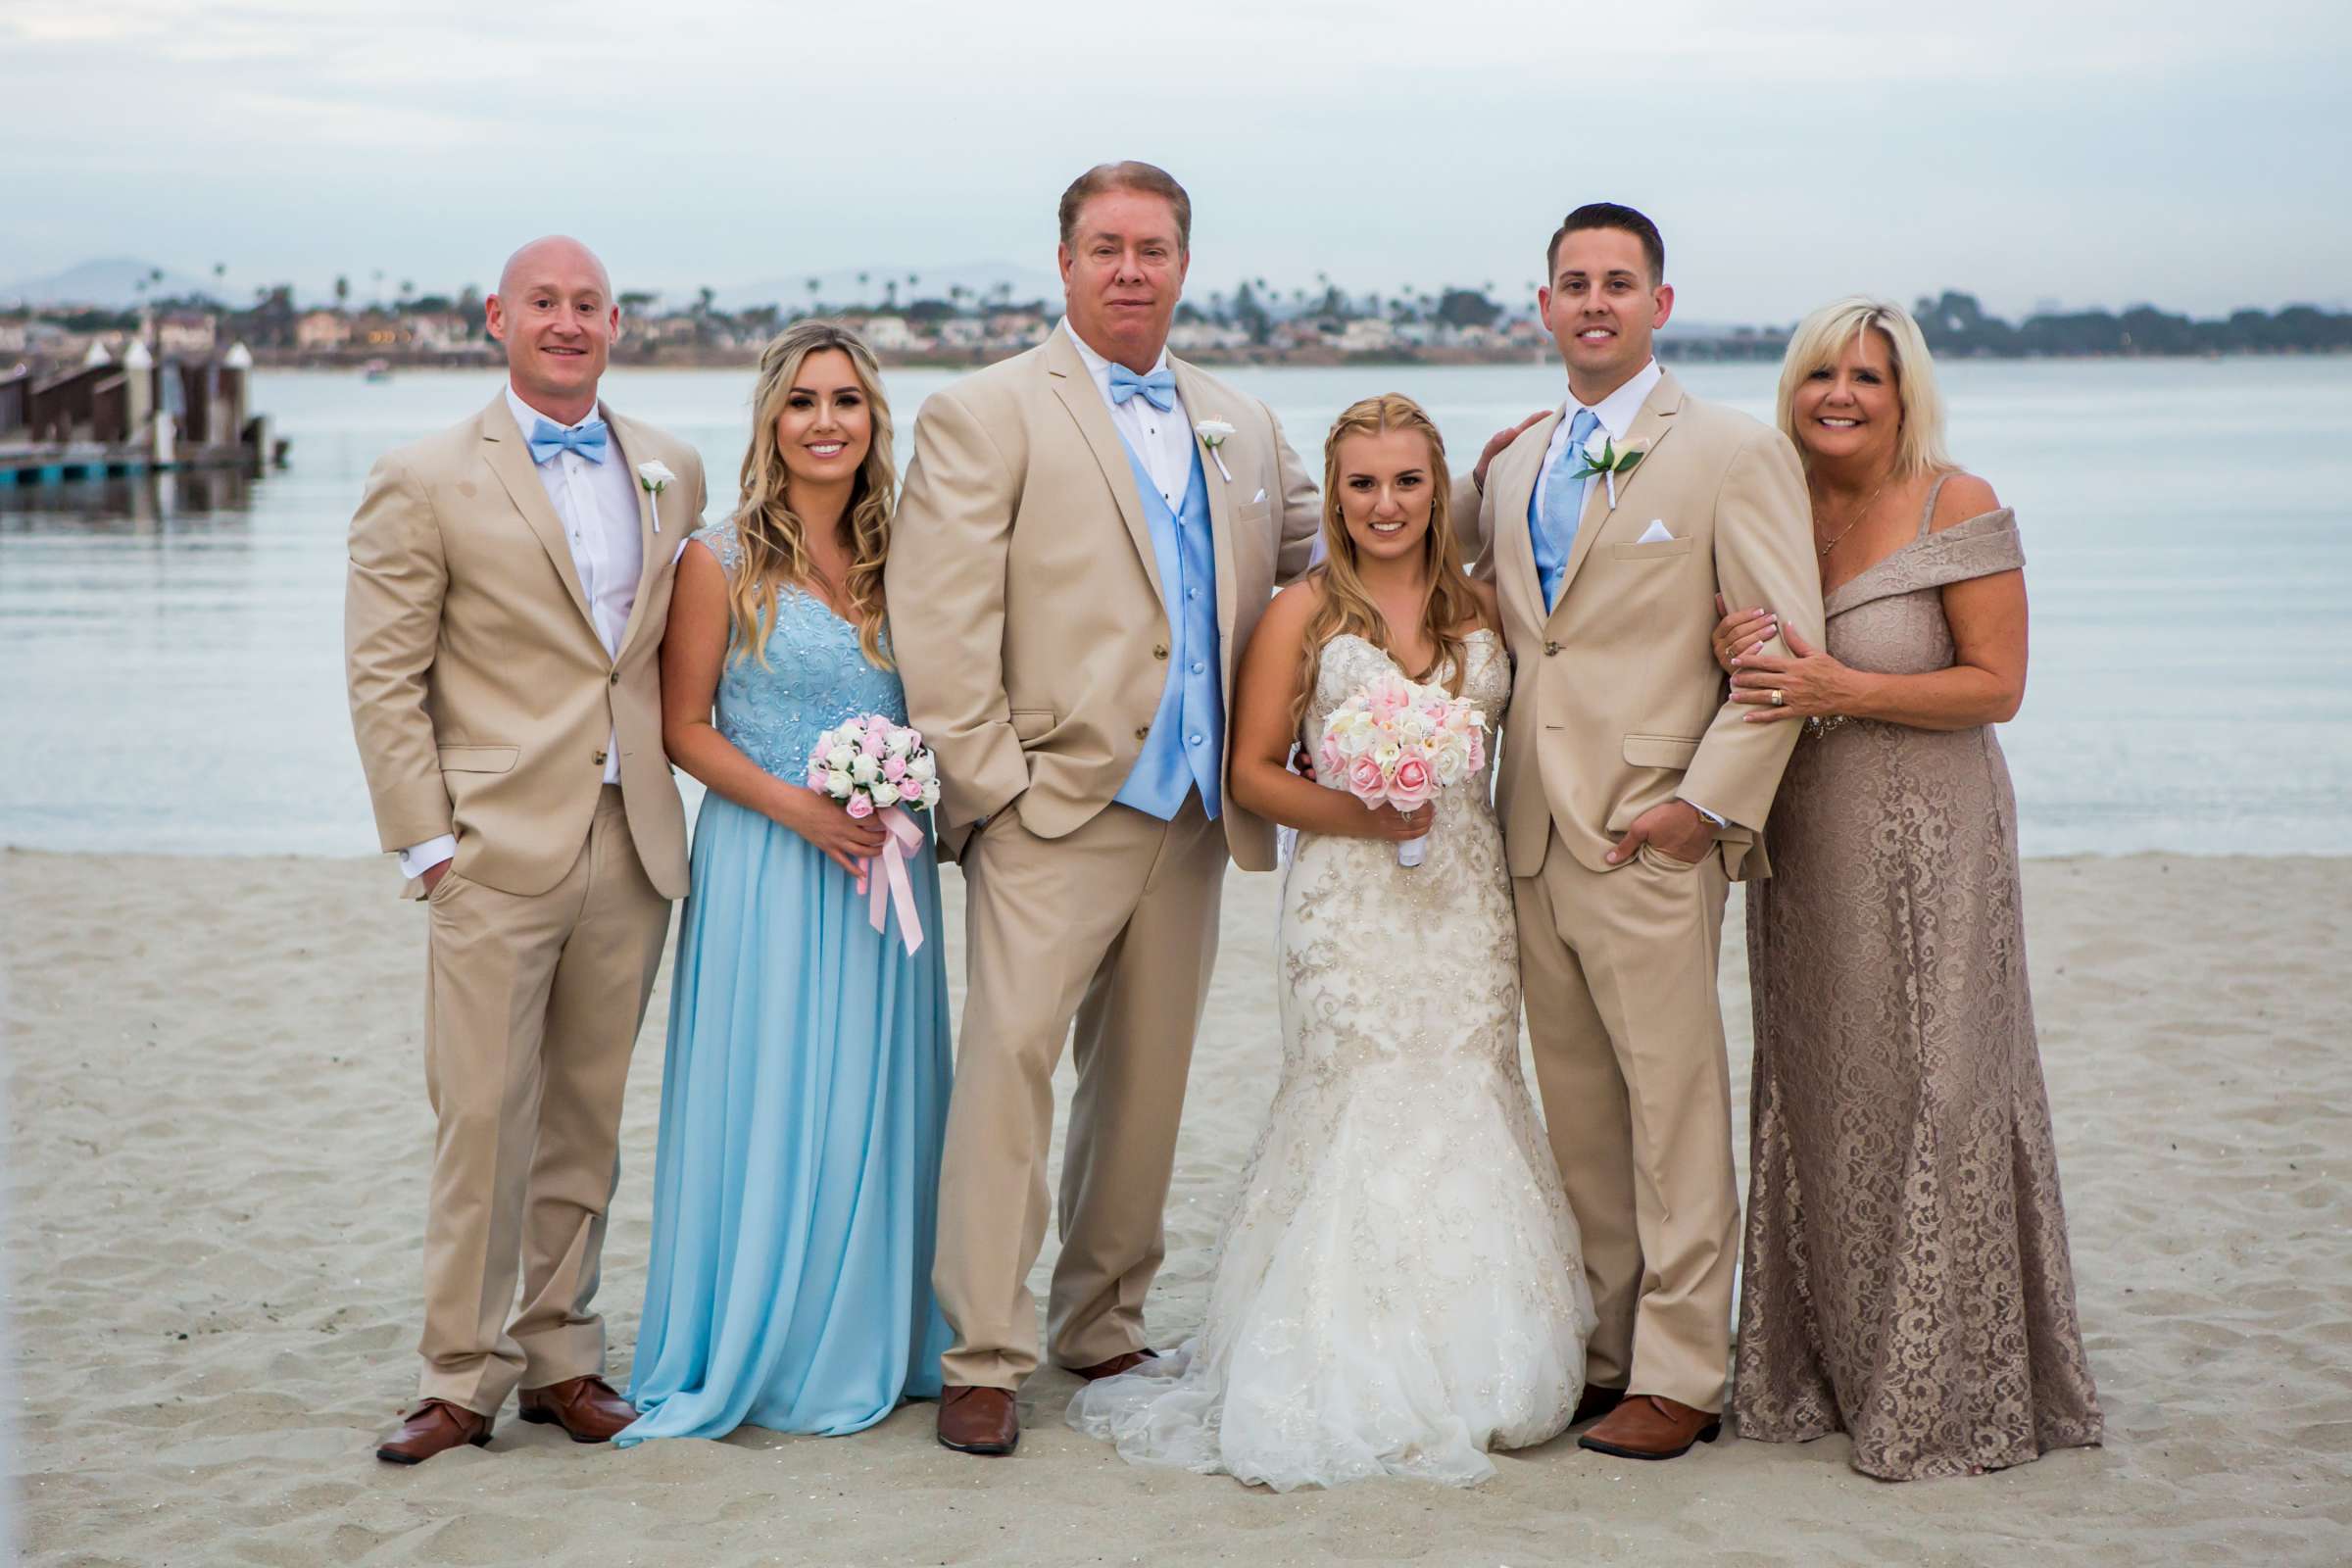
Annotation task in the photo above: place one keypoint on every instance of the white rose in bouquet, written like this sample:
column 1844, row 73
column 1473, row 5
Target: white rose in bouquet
column 838, row 783
column 885, row 793
column 864, row 770
column 922, row 768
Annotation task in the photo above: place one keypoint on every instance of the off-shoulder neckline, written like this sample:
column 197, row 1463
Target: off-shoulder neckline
column 1834, row 601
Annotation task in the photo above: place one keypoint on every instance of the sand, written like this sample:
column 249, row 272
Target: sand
column 218, row 1132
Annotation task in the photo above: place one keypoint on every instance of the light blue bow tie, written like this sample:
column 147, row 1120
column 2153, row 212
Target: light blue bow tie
column 588, row 439
column 1157, row 389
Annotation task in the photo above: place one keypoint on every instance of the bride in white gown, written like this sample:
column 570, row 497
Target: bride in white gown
column 1400, row 1288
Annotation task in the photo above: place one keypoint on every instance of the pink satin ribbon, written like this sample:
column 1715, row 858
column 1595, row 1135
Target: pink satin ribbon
column 904, row 839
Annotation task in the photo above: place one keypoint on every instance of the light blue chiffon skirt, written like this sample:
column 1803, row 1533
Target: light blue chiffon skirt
column 795, row 1186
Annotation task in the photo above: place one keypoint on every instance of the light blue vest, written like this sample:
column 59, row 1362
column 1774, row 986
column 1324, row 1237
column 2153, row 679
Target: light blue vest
column 1186, row 749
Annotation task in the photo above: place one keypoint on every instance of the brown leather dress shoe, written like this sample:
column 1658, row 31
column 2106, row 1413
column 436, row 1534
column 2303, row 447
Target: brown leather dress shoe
column 1597, row 1402
column 1115, row 1365
column 978, row 1420
column 1650, row 1426
column 434, row 1427
column 585, row 1407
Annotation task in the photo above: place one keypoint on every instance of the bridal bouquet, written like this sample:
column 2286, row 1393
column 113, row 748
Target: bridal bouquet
column 880, row 769
column 1397, row 743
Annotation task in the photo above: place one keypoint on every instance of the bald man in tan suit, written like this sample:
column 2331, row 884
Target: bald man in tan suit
column 508, row 585
column 1632, row 794
column 1073, row 573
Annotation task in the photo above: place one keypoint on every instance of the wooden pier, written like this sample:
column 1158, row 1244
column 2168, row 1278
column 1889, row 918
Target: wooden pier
column 103, row 420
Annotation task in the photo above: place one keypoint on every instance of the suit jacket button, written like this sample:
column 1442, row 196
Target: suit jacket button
column 1159, row 649
column 599, row 758
column 1143, row 732
column 1551, row 649
column 616, row 680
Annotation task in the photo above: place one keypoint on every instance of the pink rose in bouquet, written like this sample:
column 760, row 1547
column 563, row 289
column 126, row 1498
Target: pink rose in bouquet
column 1415, row 782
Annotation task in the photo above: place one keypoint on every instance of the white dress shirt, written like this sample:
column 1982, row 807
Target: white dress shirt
column 597, row 503
column 1163, row 441
column 1615, row 411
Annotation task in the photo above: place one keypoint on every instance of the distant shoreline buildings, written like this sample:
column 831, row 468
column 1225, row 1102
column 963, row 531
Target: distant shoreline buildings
column 1251, row 325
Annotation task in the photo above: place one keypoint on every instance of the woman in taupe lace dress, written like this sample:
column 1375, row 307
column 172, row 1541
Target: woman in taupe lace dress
column 1906, row 1277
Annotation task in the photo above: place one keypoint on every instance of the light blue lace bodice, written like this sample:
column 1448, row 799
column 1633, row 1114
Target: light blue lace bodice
column 815, row 676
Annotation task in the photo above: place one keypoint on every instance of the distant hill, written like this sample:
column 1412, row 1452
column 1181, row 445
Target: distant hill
column 111, row 284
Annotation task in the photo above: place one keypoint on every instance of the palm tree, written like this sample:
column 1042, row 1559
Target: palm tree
column 342, row 291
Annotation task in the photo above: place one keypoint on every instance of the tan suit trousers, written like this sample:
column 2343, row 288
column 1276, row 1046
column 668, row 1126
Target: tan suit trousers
column 1113, row 925
column 1619, row 974
column 532, row 1005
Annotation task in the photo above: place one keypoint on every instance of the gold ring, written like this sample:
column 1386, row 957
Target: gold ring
column 1780, row 698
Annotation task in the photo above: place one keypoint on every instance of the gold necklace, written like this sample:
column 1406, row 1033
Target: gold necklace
column 1862, row 513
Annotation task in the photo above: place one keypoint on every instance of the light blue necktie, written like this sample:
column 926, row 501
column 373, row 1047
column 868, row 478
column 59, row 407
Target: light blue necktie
column 1157, row 389
column 586, row 438
column 1564, row 503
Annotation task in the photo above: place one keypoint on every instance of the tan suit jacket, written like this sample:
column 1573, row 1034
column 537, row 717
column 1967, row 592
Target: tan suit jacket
column 1025, row 600
column 1618, row 704
column 481, row 694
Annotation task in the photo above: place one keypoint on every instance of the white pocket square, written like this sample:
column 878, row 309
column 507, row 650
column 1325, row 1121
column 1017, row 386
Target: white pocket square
column 1655, row 533
column 1255, row 499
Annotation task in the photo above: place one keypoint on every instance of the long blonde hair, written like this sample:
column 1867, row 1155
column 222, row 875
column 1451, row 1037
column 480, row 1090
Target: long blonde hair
column 1824, row 336
column 772, row 537
column 1344, row 605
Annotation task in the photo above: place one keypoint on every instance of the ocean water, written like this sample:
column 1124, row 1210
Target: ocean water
column 171, row 650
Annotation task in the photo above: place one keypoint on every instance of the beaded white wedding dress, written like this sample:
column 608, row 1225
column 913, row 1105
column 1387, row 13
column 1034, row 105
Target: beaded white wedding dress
column 1400, row 1287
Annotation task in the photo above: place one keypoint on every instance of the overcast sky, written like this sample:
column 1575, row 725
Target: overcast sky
column 2193, row 156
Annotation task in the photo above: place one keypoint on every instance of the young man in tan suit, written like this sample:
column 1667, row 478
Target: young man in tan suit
column 1089, row 533
column 1631, row 795
column 508, row 584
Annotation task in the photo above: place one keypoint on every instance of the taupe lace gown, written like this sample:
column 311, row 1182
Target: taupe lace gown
column 1905, row 1276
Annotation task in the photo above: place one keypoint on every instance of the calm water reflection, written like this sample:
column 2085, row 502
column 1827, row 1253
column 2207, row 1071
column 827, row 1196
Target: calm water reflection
column 172, row 647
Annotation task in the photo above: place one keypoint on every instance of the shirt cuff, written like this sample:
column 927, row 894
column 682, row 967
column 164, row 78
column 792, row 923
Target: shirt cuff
column 419, row 859
column 1720, row 823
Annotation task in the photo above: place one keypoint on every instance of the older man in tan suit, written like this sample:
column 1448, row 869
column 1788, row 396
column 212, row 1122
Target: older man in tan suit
column 508, row 584
column 1632, row 794
column 1089, row 533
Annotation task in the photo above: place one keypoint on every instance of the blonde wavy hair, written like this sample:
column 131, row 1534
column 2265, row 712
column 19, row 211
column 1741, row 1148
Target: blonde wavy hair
column 770, row 535
column 1345, row 606
column 1824, row 336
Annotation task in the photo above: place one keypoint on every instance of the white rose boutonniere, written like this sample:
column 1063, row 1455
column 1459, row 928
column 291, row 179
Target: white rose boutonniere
column 1603, row 456
column 655, row 477
column 1215, row 434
